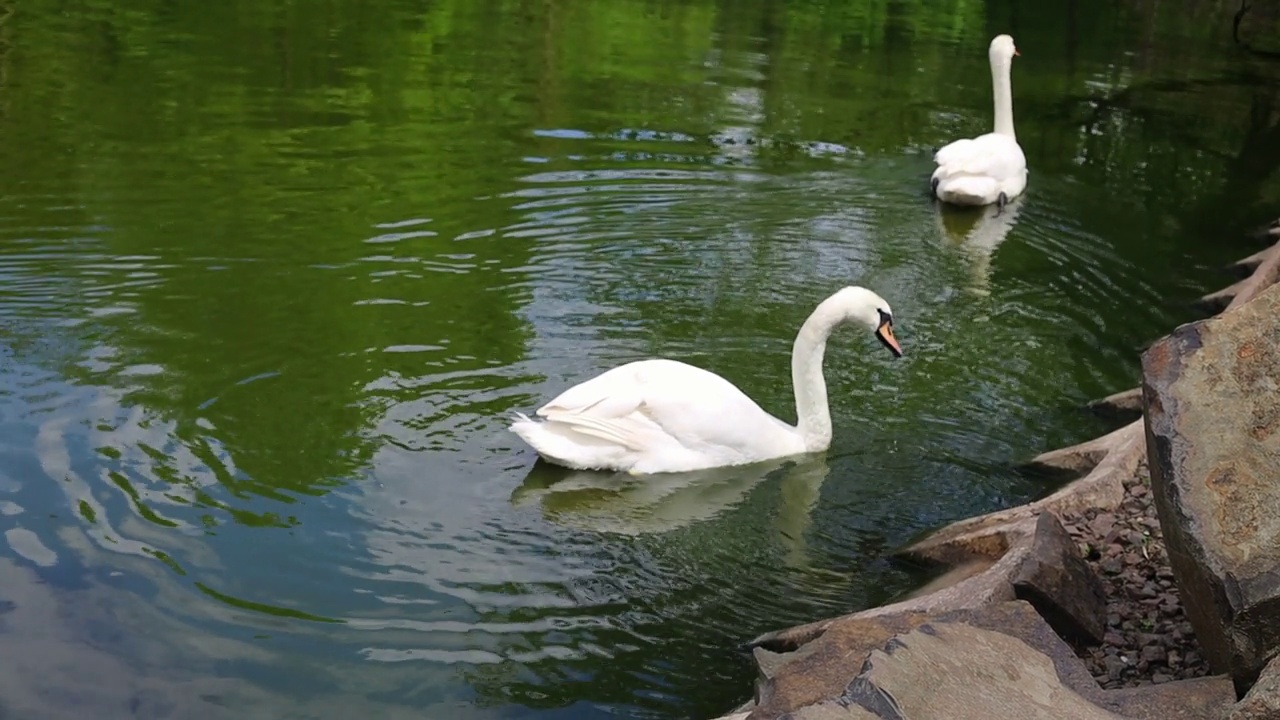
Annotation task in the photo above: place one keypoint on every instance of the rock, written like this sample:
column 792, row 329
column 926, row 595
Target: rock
column 832, row 710
column 823, row 667
column 1266, row 274
column 1154, row 654
column 833, row 658
column 1246, row 266
column 1262, row 702
column 960, row 672
column 1059, row 583
column 1126, row 406
column 1198, row 699
column 1216, row 302
column 1212, row 393
column 768, row 662
column 1102, row 524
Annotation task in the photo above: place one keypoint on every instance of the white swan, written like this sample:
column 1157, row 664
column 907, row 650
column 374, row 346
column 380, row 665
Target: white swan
column 989, row 168
column 654, row 416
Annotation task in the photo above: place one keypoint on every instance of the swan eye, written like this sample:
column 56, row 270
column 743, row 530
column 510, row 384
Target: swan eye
column 885, row 318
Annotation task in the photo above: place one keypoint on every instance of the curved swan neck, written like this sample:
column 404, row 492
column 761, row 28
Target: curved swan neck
column 813, row 414
column 1002, row 90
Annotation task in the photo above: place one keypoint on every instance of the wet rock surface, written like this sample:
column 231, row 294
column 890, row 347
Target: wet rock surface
column 1148, row 639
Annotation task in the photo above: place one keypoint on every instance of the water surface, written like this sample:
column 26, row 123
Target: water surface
column 273, row 280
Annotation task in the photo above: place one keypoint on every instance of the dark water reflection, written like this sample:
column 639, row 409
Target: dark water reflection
column 272, row 283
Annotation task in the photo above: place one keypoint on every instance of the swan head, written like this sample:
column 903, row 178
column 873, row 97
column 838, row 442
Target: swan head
column 1002, row 50
column 864, row 307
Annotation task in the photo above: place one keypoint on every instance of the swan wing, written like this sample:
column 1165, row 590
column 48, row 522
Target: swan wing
column 662, row 406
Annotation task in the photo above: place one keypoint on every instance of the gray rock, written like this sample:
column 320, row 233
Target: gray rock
column 1212, row 396
column 960, row 672
column 1263, row 699
column 1060, row 584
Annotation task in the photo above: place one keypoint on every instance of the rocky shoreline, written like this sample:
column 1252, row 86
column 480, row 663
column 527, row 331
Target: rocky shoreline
column 1138, row 590
column 1148, row 639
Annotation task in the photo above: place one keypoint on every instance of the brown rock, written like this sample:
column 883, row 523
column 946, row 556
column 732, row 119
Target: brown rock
column 1197, row 699
column 1216, row 302
column 1126, row 406
column 1213, row 437
column 1102, row 524
column 822, row 668
column 1059, row 583
column 1262, row 702
column 1154, row 654
column 1246, row 266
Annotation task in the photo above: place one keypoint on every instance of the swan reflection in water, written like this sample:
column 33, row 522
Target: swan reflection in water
column 977, row 231
column 625, row 504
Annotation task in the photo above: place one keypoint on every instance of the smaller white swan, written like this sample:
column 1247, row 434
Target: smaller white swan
column 989, row 168
column 655, row 416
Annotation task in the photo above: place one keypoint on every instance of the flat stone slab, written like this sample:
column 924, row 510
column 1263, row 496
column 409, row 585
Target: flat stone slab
column 961, row 672
column 1212, row 396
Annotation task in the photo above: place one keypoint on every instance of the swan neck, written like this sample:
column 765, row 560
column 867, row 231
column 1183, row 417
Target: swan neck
column 813, row 414
column 1003, row 93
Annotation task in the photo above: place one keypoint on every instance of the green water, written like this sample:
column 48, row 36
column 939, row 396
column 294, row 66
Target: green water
column 274, row 276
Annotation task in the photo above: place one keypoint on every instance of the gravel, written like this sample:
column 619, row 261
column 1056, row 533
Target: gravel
column 1148, row 638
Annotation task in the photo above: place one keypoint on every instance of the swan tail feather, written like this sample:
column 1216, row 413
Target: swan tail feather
column 569, row 446
column 968, row 190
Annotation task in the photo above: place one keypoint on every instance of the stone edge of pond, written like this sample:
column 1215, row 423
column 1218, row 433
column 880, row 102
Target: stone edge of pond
column 996, row 569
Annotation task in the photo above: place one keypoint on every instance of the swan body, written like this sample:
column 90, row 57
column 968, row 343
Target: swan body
column 990, row 168
column 659, row 415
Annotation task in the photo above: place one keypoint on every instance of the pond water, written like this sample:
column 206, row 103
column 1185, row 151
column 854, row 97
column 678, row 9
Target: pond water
column 273, row 280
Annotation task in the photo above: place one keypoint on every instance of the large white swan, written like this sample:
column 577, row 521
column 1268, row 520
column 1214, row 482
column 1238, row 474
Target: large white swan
column 989, row 168
column 654, row 416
